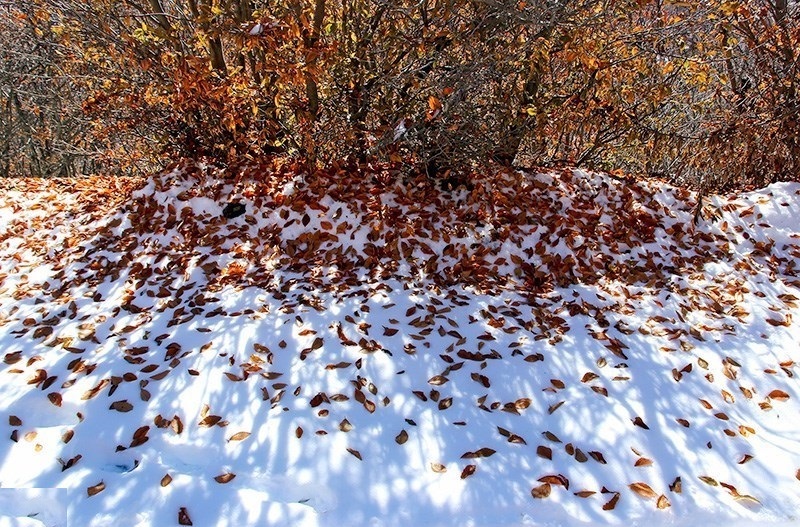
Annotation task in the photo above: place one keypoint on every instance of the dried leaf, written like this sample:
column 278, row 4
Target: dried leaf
column 555, row 479
column 183, row 517
column 355, row 452
column 663, row 502
column 121, row 406
column 438, row 468
column 778, row 395
column 402, row 437
column 585, row 493
column 610, row 504
column 224, row 478
column 13, row 420
column 643, row 490
column 709, row 481
column 542, row 491
column 345, row 426
column 468, row 471
column 438, row 380
column 96, row 489
column 638, row 421
column 166, row 480
column 239, row 436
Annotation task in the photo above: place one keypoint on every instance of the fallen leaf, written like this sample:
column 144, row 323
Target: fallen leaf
column 239, row 436
column 183, row 517
column 663, row 502
column 166, row 480
column 638, row 421
column 438, row 468
column 96, row 489
column 402, row 437
column 610, row 504
column 224, row 478
column 542, row 491
column 121, row 406
column 585, row 493
column 468, row 471
column 355, row 452
column 555, row 479
column 545, row 452
column 778, row 395
column 643, row 489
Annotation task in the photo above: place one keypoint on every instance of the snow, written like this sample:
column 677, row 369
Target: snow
column 379, row 357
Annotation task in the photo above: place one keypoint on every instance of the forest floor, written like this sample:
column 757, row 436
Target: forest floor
column 267, row 348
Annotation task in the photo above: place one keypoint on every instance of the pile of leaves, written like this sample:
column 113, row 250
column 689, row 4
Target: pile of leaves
column 563, row 333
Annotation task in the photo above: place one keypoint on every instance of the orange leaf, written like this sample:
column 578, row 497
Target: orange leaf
column 778, row 395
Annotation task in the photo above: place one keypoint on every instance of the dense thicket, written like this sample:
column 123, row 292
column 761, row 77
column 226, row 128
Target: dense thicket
column 700, row 92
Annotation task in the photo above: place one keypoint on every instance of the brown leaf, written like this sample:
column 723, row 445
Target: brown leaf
column 589, row 376
column 183, row 517
column 438, row 380
column 676, row 486
column 468, row 471
column 389, row 332
column 96, row 489
column 598, row 456
column 345, row 426
column 610, row 504
column 140, row 436
column 13, row 420
column 542, row 491
column 209, row 420
column 55, row 398
column 555, row 479
column 355, row 452
column 709, row 481
column 663, row 502
column 522, row 403
column 298, row 432
column 177, row 424
column 121, row 406
column 551, row 436
column 438, row 468
column 778, row 395
column 745, row 459
column 555, row 407
column 401, row 438
column 239, row 436
column 585, row 493
column 643, row 489
column 166, row 480
column 224, row 478
column 643, row 462
column 638, row 421
column 446, row 403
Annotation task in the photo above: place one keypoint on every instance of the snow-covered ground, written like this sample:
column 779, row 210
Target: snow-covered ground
column 560, row 349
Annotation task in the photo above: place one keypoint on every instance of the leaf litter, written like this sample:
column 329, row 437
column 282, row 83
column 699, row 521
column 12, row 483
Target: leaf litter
column 581, row 307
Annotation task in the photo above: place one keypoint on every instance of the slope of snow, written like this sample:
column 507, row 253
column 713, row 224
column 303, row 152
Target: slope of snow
column 570, row 350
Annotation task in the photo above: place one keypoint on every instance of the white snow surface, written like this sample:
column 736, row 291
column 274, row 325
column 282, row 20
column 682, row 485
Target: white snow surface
column 163, row 364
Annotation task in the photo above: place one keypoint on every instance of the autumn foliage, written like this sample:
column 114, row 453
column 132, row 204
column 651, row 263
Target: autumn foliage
column 697, row 92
